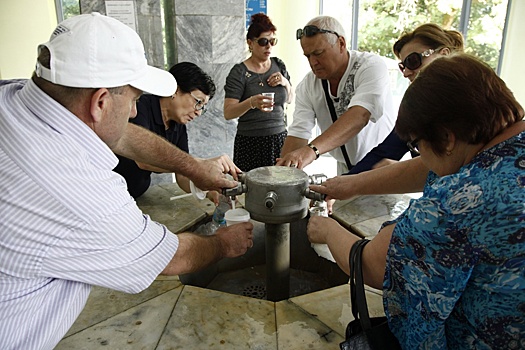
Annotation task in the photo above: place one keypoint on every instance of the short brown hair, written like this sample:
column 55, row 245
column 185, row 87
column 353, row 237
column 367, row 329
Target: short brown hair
column 431, row 35
column 456, row 93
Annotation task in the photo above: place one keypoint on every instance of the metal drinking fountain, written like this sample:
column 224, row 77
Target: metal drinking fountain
column 276, row 196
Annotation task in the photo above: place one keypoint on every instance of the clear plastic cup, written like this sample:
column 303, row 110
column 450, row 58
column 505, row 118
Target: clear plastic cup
column 236, row 216
column 271, row 96
column 197, row 192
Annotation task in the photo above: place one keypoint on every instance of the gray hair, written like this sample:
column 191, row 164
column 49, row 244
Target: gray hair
column 329, row 23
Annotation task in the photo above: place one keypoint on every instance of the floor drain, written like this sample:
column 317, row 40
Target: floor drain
column 255, row 291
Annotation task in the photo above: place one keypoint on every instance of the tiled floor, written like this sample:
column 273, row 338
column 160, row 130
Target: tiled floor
column 170, row 315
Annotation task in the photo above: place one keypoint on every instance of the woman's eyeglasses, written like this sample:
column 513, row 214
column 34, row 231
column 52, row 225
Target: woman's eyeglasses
column 309, row 31
column 265, row 41
column 414, row 60
column 200, row 105
column 413, row 146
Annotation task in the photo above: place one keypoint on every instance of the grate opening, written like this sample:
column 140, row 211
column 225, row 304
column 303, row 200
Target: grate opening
column 256, row 291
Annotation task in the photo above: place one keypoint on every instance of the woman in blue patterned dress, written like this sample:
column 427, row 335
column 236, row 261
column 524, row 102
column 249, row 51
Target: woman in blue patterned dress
column 452, row 266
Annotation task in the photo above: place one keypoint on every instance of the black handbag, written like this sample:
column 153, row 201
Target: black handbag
column 364, row 333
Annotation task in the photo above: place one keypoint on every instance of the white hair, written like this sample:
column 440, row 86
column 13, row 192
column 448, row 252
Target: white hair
column 329, row 23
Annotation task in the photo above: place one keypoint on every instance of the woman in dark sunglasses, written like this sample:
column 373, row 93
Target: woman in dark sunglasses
column 418, row 48
column 262, row 123
column 415, row 50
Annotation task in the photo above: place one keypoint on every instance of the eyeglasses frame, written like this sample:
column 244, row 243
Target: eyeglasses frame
column 198, row 102
column 413, row 145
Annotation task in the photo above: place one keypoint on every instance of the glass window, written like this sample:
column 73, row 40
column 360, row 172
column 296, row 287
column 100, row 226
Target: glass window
column 67, row 8
column 485, row 30
column 380, row 22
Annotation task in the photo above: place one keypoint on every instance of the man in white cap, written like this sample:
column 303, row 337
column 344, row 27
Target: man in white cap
column 67, row 219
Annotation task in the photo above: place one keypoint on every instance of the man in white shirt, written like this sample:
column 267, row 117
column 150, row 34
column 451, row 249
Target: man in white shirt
column 67, row 221
column 358, row 85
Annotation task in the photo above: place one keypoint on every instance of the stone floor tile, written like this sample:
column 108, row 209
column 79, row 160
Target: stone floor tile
column 139, row 327
column 298, row 330
column 206, row 319
column 104, row 303
column 330, row 306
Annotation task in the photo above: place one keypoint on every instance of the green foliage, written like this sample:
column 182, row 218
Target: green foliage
column 70, row 8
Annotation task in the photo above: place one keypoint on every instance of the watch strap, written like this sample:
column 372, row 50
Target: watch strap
column 316, row 151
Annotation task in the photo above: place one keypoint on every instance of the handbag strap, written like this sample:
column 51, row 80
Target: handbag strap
column 357, row 289
column 331, row 107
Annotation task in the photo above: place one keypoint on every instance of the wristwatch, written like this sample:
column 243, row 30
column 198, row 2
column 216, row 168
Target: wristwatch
column 316, row 151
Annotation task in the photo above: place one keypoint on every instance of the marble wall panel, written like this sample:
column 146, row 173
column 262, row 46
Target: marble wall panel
column 194, row 41
column 149, row 28
column 211, row 7
column 229, row 39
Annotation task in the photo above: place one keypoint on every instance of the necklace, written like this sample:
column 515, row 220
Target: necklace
column 257, row 67
column 260, row 80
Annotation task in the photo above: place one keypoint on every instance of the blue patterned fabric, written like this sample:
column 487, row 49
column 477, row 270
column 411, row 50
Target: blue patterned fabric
column 455, row 275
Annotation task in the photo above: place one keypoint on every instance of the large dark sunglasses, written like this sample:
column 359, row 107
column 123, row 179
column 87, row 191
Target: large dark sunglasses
column 414, row 60
column 311, row 31
column 264, row 41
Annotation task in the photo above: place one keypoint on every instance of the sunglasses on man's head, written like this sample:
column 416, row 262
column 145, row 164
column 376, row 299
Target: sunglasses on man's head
column 414, row 60
column 309, row 31
column 265, row 41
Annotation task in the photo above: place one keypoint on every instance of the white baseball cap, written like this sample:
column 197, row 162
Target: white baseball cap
column 96, row 51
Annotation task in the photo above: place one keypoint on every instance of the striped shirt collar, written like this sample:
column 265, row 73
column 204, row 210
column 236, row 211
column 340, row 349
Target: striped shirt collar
column 66, row 123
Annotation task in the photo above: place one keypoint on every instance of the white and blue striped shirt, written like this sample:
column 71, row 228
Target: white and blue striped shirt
column 66, row 221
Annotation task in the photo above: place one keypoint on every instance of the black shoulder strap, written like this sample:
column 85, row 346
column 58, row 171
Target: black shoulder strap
column 357, row 290
column 334, row 118
column 282, row 67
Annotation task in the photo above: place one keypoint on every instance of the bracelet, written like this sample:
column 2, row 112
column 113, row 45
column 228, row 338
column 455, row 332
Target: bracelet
column 316, row 151
column 251, row 106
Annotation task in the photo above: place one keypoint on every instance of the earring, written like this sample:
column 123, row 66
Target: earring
column 449, row 153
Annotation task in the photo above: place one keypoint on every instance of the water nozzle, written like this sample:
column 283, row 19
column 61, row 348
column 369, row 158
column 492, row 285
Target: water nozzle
column 316, row 196
column 317, row 179
column 235, row 191
column 270, row 200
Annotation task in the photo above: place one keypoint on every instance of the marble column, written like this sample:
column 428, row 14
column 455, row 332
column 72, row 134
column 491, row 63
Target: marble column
column 211, row 34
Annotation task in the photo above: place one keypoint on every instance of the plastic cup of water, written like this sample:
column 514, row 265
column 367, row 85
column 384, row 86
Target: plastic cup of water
column 236, row 216
column 271, row 96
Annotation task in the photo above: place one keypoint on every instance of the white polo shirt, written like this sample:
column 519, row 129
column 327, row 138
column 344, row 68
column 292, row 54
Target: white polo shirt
column 66, row 221
column 369, row 88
